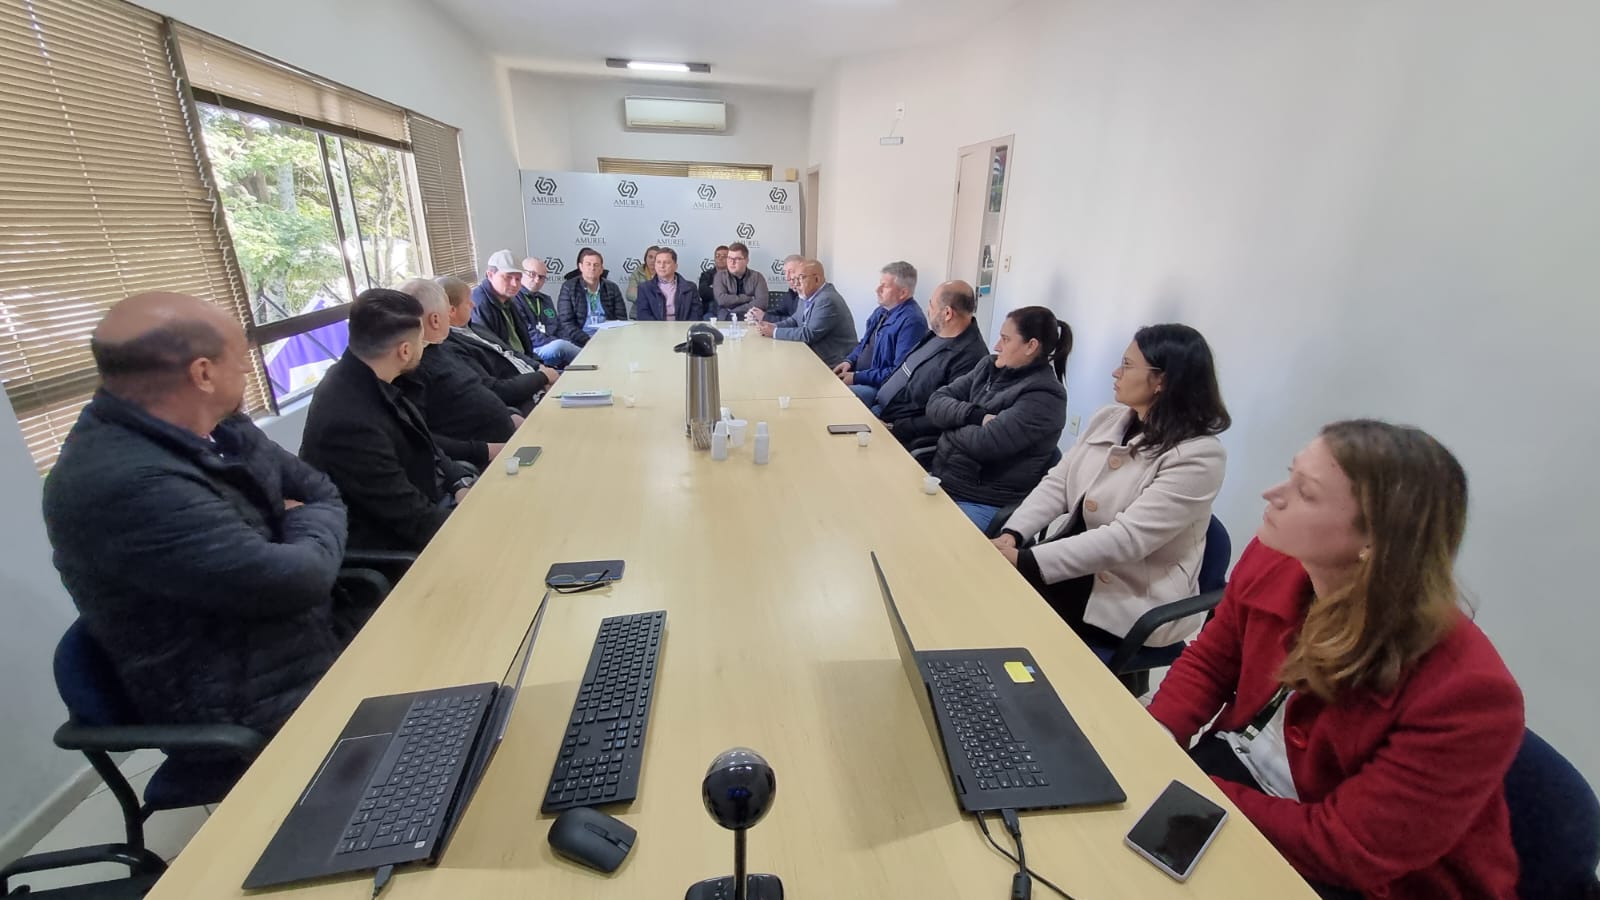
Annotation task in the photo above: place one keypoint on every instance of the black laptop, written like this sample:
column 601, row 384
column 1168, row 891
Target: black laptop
column 1007, row 738
column 397, row 781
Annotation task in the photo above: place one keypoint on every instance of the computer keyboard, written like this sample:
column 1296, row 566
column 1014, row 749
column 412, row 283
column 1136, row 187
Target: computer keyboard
column 416, row 776
column 604, row 742
column 966, row 692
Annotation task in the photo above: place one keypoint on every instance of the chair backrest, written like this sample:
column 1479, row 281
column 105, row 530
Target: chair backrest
column 1214, row 564
column 88, row 681
column 1555, row 823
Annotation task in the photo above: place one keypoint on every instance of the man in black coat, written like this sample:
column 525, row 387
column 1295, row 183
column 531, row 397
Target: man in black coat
column 372, row 441
column 201, row 555
column 468, row 420
column 515, row 379
column 588, row 299
column 708, row 296
column 950, row 349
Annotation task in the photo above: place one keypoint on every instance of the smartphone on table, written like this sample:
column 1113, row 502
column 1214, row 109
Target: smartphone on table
column 1176, row 830
column 848, row 429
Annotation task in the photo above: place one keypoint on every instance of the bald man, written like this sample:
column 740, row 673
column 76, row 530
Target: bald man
column 201, row 555
column 823, row 322
column 952, row 346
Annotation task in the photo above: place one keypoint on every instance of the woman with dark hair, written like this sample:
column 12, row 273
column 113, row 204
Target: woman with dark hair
column 1000, row 422
column 1358, row 717
column 588, row 299
column 1124, row 515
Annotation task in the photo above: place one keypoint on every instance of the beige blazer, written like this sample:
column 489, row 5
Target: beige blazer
column 1146, row 521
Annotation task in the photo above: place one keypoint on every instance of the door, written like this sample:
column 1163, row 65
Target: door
column 982, row 173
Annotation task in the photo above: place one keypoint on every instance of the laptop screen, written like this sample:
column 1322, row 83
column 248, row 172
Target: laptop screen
column 506, row 697
column 908, row 655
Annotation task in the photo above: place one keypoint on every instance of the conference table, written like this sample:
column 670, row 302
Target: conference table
column 776, row 639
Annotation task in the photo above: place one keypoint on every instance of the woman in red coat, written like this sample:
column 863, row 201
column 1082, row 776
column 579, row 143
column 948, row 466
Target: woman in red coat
column 1366, row 724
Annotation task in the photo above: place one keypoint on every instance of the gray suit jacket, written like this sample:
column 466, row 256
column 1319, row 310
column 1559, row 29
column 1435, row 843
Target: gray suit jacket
column 828, row 327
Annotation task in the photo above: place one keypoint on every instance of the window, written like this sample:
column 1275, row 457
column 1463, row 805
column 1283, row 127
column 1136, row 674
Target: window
column 723, row 171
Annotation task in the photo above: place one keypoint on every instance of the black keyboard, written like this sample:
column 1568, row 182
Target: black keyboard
column 967, row 695
column 604, row 742
column 417, row 775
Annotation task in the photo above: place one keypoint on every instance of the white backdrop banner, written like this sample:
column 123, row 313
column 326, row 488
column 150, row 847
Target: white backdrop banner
column 622, row 215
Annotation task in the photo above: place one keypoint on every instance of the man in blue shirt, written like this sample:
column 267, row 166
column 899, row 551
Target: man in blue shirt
column 893, row 329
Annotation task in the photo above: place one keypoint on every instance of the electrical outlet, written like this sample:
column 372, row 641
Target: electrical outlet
column 899, row 110
column 1072, row 425
column 1007, row 262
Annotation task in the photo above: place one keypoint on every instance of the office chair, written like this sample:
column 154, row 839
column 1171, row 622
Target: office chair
column 1555, row 825
column 1131, row 661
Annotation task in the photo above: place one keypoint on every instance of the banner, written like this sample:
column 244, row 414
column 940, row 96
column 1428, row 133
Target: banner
column 622, row 215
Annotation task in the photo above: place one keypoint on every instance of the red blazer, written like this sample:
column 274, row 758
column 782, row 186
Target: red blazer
column 1401, row 794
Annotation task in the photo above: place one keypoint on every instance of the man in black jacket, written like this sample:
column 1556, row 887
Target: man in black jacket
column 468, row 420
column 512, row 377
column 719, row 263
column 201, row 555
column 950, row 349
column 589, row 299
column 373, row 442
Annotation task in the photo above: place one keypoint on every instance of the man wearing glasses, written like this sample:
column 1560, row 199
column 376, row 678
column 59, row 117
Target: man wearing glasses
column 551, row 350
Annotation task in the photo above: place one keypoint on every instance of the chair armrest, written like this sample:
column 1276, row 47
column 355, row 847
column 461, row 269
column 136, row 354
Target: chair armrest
column 246, row 742
column 998, row 523
column 138, row 860
column 1155, row 618
column 376, row 559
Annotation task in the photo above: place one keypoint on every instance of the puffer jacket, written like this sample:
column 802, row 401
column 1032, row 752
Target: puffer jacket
column 214, row 603
column 572, row 307
column 998, row 463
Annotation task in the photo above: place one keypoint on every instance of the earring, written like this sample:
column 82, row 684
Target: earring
column 1365, row 552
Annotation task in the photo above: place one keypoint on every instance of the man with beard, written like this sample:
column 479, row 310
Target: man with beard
column 372, row 441
column 199, row 553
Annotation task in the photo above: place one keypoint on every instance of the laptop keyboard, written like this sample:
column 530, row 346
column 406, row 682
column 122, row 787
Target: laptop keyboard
column 604, row 741
column 411, row 786
column 966, row 692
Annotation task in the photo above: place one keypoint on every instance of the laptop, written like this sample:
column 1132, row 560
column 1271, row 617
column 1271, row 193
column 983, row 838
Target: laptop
column 1008, row 740
column 397, row 780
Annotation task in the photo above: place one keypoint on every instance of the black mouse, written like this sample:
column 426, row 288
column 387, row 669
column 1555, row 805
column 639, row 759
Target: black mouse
column 591, row 838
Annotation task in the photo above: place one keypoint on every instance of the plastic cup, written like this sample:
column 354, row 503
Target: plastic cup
column 783, row 402
column 863, row 438
column 736, row 432
column 930, row 484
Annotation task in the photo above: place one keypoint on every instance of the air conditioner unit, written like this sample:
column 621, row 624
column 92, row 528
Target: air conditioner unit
column 674, row 114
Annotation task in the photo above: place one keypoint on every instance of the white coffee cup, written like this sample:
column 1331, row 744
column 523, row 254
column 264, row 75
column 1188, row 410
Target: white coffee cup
column 726, row 414
column 513, row 464
column 783, row 402
column 736, row 432
column 863, row 438
column 930, row 484
column 628, row 400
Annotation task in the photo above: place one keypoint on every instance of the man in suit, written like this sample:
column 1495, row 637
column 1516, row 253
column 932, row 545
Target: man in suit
column 739, row 289
column 708, row 297
column 464, row 414
column 668, row 297
column 373, row 442
column 823, row 322
column 201, row 555
column 513, row 378
column 950, row 348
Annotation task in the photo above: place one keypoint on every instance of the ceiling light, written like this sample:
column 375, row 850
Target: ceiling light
column 641, row 65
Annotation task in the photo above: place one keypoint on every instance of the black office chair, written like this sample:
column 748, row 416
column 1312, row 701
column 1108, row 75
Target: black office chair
column 1555, row 825
column 1131, row 661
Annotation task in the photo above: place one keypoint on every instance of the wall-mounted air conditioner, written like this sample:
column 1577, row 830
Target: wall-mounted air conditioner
column 673, row 114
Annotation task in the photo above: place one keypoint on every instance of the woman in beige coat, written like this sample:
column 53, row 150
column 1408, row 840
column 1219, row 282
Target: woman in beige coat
column 1122, row 518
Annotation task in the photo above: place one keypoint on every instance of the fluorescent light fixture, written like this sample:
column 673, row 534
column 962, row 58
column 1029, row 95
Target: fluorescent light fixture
column 643, row 65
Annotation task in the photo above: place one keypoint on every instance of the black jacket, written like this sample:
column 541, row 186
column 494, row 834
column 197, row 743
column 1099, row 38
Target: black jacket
column 464, row 415
column 708, row 296
column 376, row 447
column 572, row 307
column 998, row 463
column 652, row 304
column 214, row 603
column 494, row 371
column 907, row 411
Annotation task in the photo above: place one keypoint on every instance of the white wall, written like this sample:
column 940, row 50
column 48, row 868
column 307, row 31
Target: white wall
column 1382, row 209
column 567, row 124
column 404, row 51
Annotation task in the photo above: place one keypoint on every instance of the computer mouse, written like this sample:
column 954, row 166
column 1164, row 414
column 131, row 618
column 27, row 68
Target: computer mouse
column 591, row 838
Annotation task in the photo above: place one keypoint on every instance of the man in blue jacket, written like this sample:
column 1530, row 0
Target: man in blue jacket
column 892, row 330
column 201, row 555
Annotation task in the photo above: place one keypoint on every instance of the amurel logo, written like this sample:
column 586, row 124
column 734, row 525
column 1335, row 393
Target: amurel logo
column 589, row 233
column 545, row 192
column 669, row 234
column 708, row 197
column 628, row 195
column 555, row 265
column 706, row 265
column 778, row 201
column 777, row 268
column 631, row 265
column 746, row 231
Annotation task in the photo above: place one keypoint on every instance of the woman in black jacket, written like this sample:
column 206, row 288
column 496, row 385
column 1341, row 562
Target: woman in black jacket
column 1000, row 422
column 588, row 299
